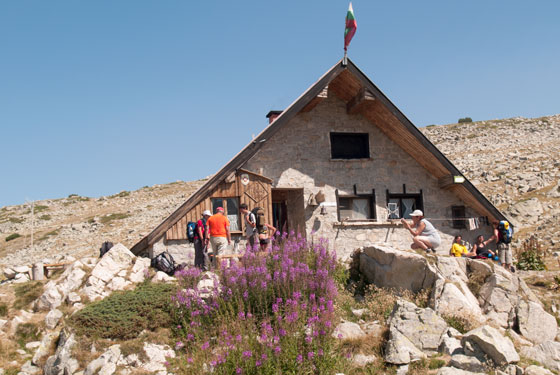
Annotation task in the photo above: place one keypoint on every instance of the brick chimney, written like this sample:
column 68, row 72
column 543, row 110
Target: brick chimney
column 271, row 116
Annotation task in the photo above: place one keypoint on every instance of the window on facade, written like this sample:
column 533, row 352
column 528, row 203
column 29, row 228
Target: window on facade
column 231, row 210
column 349, row 145
column 401, row 205
column 458, row 217
column 356, row 207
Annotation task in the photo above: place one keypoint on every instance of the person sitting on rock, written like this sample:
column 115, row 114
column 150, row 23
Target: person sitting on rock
column 458, row 249
column 480, row 250
column 424, row 235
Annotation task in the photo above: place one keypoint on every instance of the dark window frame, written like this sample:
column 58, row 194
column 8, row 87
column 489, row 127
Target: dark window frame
column 369, row 197
column 418, row 204
column 340, row 151
column 458, row 215
column 224, row 206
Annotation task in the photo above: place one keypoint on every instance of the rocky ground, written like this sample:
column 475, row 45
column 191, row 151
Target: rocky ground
column 452, row 316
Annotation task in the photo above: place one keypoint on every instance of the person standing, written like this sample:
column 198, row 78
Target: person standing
column 220, row 237
column 424, row 235
column 201, row 239
column 504, row 250
column 250, row 224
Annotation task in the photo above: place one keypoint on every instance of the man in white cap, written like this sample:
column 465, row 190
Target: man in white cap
column 201, row 238
column 424, row 235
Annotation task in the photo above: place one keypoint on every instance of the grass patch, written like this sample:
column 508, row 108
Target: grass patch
column 49, row 234
column 475, row 282
column 13, row 236
column 38, row 208
column 122, row 194
column 123, row 315
column 27, row 293
column 15, row 220
column 460, row 323
column 3, row 309
column 45, row 217
column 27, row 332
column 108, row 218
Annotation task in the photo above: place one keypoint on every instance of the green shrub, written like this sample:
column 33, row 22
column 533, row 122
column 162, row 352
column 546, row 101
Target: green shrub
column 16, row 220
column 122, row 194
column 73, row 195
column 460, row 323
column 3, row 309
column 27, row 293
column 108, row 218
column 39, row 208
column 45, row 217
column 530, row 260
column 123, row 315
column 464, row 120
column 13, row 236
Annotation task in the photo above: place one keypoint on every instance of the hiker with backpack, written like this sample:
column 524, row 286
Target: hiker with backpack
column 201, row 240
column 250, row 224
column 220, row 236
column 503, row 232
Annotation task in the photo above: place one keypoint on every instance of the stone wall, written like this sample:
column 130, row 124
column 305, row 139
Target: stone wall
column 299, row 156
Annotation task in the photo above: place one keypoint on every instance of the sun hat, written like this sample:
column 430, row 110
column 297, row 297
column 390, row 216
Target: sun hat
column 220, row 209
column 207, row 213
column 417, row 213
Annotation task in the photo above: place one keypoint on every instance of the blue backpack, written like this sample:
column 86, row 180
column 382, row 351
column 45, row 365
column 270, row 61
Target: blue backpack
column 191, row 230
column 506, row 231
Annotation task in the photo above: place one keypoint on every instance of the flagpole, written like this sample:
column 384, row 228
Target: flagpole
column 345, row 59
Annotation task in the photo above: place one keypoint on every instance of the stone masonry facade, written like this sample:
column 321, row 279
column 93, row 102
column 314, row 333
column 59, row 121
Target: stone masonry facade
column 299, row 156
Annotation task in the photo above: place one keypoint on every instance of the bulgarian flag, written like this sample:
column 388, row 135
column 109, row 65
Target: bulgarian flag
column 351, row 27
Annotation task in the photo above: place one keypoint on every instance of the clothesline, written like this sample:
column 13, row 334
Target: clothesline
column 472, row 222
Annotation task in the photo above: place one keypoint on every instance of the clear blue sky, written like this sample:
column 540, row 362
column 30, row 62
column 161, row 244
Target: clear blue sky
column 102, row 96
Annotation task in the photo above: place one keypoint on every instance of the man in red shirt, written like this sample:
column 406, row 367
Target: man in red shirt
column 220, row 237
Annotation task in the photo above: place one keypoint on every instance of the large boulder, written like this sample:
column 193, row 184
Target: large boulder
column 456, row 371
column 497, row 347
column 467, row 363
column 106, row 363
column 348, row 330
column 56, row 291
column 412, row 331
column 62, row 363
column 157, row 356
column 388, row 267
column 113, row 263
column 547, row 353
column 534, row 323
column 456, row 299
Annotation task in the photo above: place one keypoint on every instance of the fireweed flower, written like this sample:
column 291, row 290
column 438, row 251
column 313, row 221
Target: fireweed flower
column 310, row 355
column 300, row 358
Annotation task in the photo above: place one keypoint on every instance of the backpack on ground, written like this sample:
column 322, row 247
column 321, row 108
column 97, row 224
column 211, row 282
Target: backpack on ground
column 259, row 216
column 164, row 262
column 506, row 231
column 191, row 230
column 105, row 247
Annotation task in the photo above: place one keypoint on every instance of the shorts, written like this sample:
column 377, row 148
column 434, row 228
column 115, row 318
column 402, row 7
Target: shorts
column 434, row 241
column 264, row 241
column 219, row 244
column 505, row 253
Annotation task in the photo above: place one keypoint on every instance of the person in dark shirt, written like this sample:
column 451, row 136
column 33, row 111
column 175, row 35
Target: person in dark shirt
column 201, row 239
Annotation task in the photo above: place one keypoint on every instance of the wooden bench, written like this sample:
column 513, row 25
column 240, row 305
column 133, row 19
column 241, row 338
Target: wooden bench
column 52, row 266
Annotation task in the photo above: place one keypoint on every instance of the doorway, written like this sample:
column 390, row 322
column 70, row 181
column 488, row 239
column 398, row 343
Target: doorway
column 288, row 210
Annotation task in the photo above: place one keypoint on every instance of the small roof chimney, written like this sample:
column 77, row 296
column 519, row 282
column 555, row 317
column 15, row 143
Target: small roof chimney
column 271, row 116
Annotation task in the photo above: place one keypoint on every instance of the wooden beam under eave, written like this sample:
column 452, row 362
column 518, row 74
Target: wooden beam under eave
column 361, row 99
column 316, row 100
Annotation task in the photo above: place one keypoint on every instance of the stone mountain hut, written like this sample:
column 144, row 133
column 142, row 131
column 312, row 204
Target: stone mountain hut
column 342, row 162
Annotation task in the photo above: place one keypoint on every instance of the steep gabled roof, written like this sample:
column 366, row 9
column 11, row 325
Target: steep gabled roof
column 351, row 85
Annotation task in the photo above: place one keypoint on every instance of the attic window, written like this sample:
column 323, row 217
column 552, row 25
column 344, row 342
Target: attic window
column 349, row 145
